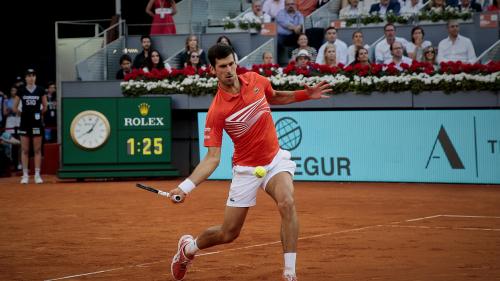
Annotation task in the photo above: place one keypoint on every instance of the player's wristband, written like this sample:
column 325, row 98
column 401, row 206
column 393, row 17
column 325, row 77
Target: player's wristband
column 301, row 95
column 187, row 186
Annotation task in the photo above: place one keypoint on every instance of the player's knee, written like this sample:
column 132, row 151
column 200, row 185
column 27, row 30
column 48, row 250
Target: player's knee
column 286, row 205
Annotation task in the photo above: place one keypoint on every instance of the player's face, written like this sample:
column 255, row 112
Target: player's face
column 225, row 70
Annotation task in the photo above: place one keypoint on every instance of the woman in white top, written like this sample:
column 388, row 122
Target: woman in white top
column 303, row 43
column 417, row 45
column 357, row 42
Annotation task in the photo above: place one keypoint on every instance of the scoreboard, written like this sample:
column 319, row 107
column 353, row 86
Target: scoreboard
column 116, row 137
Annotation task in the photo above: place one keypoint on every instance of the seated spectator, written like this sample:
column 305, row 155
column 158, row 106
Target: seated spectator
column 125, row 67
column 456, row 47
column 302, row 58
column 303, row 43
column 412, row 7
column 140, row 58
column 162, row 14
column 467, row 5
column 192, row 46
column 494, row 6
column 351, row 10
column 385, row 6
column 397, row 56
column 382, row 49
column 290, row 24
column 306, row 7
column 330, row 55
column 430, row 56
column 225, row 40
column 154, row 61
column 340, row 46
column 272, row 7
column 362, row 57
column 357, row 43
column 417, row 45
column 437, row 6
column 194, row 61
column 256, row 14
column 267, row 58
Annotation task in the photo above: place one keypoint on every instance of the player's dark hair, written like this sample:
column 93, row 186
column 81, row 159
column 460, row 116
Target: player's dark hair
column 219, row 51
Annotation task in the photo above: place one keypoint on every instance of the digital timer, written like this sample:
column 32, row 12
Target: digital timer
column 146, row 146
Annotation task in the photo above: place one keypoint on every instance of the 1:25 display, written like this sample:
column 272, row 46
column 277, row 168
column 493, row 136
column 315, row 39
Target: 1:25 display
column 149, row 146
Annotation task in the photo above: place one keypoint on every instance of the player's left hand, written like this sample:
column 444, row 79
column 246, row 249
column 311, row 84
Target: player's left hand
column 318, row 91
column 178, row 191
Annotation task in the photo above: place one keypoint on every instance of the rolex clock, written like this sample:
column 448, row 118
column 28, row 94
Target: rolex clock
column 90, row 129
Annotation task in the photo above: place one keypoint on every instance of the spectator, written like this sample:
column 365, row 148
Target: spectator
column 303, row 42
column 290, row 24
column 437, row 6
column 306, row 7
column 267, row 58
column 417, row 45
column 50, row 116
column 33, row 101
column 125, row 67
column 385, row 6
column 225, row 40
column 19, row 82
column 430, row 56
column 456, row 47
column 351, row 10
column 163, row 21
column 272, row 7
column 398, row 58
column 362, row 57
column 3, row 99
column 302, row 58
column 256, row 14
column 467, row 5
column 494, row 6
column 140, row 58
column 194, row 61
column 382, row 49
column 412, row 7
column 190, row 47
column 12, row 122
column 330, row 55
column 340, row 47
column 357, row 43
column 155, row 61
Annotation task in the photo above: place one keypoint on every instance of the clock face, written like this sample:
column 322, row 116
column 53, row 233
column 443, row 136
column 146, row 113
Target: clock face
column 90, row 129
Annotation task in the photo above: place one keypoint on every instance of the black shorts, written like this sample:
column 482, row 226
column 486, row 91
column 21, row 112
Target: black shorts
column 30, row 131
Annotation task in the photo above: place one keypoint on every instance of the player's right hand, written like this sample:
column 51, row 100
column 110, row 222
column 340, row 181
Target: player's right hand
column 178, row 191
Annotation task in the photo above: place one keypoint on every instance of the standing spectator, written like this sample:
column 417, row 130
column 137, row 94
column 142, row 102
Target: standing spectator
column 33, row 101
column 357, row 43
column 330, row 55
column 385, row 6
column 12, row 122
column 19, row 82
column 267, row 58
column 50, row 116
column 398, row 58
column 418, row 44
column 225, row 40
column 303, row 43
column 456, row 47
column 190, row 47
column 272, row 7
column 256, row 14
column 382, row 49
column 340, row 47
column 125, row 67
column 163, row 21
column 140, row 58
column 290, row 24
column 3, row 99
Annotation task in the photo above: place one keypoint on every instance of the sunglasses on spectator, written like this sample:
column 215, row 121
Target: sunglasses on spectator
column 430, row 51
column 194, row 56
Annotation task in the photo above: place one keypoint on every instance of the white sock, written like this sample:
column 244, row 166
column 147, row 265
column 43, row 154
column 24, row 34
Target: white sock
column 191, row 248
column 37, row 171
column 290, row 263
column 25, row 172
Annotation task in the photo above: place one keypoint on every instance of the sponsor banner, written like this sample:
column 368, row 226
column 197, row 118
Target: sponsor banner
column 448, row 146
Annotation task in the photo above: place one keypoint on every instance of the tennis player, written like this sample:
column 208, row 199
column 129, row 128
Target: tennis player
column 241, row 108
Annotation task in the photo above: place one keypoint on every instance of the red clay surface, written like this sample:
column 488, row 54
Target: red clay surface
column 349, row 231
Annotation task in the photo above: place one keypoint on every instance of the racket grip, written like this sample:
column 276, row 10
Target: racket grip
column 175, row 198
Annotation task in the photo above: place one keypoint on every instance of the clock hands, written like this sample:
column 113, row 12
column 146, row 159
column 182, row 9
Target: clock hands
column 91, row 129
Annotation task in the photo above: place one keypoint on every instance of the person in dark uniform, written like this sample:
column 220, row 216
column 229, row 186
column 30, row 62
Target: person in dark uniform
column 32, row 102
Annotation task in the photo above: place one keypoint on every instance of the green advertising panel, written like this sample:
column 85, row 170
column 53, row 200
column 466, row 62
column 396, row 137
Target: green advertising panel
column 144, row 114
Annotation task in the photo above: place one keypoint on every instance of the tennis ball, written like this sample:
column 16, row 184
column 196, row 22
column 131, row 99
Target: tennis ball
column 259, row 172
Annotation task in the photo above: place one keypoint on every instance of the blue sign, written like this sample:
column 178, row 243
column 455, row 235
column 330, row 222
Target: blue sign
column 448, row 146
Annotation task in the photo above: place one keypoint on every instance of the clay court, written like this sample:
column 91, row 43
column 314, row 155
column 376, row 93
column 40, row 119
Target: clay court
column 349, row 231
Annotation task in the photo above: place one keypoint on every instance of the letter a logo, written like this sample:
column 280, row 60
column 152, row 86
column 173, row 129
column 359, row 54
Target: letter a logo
column 449, row 150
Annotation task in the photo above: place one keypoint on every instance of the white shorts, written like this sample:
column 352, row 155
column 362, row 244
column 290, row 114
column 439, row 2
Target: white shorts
column 244, row 186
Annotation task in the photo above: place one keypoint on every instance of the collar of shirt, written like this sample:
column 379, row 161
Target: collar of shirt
column 229, row 96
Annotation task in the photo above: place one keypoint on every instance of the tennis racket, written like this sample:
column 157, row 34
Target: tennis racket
column 175, row 198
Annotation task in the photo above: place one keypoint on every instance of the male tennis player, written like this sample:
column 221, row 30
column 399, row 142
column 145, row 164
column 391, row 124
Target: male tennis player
column 241, row 108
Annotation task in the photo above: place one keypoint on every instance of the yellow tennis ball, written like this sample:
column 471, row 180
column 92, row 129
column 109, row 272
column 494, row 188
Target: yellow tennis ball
column 259, row 172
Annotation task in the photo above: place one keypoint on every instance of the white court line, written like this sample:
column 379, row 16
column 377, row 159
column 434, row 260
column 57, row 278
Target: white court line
column 465, row 216
column 423, row 218
column 444, row 227
column 85, row 274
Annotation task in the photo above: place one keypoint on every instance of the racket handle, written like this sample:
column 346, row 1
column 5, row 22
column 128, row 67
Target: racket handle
column 175, row 198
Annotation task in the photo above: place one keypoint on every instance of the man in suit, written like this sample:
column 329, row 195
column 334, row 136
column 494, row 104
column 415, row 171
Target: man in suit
column 385, row 6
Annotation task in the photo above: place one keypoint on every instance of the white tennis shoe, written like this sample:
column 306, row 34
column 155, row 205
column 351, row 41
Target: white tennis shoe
column 289, row 277
column 38, row 179
column 25, row 179
column 180, row 261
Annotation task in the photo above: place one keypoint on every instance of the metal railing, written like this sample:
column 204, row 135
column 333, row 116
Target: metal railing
column 255, row 57
column 490, row 54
